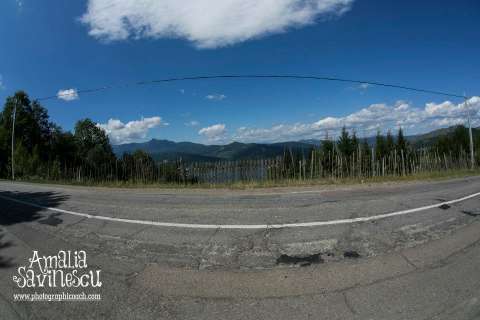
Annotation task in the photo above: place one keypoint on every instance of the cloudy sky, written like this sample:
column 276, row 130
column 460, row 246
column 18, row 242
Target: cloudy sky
column 57, row 47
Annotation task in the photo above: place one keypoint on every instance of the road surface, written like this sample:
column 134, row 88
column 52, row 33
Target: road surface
column 385, row 251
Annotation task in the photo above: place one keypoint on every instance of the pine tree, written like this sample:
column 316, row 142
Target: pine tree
column 380, row 145
column 354, row 142
column 401, row 141
column 344, row 143
column 364, row 147
column 389, row 143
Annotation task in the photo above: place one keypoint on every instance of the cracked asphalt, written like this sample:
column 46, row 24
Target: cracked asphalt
column 423, row 265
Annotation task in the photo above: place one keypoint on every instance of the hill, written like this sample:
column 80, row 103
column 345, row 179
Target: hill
column 162, row 150
column 430, row 138
column 168, row 150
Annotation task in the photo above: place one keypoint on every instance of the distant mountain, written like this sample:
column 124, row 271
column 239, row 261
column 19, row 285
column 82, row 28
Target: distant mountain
column 313, row 142
column 430, row 137
column 165, row 150
column 186, row 157
column 162, row 146
column 162, row 150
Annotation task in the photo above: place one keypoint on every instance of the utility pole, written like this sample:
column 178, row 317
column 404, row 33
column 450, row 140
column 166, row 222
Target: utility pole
column 472, row 157
column 13, row 136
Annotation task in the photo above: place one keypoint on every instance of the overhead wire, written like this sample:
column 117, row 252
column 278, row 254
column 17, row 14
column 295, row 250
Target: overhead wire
column 250, row 77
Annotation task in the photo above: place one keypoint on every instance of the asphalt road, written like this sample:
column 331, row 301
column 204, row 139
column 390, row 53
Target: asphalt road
column 390, row 251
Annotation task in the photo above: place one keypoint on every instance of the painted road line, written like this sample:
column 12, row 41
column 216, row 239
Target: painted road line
column 245, row 226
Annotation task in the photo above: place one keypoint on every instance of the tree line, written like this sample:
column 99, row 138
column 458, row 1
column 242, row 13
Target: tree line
column 44, row 151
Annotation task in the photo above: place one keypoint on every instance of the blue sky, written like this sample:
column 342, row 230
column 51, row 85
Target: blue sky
column 54, row 45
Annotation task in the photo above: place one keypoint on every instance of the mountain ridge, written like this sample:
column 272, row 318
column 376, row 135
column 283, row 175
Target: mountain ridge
column 166, row 150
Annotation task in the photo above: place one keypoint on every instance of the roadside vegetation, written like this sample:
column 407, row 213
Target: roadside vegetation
column 45, row 152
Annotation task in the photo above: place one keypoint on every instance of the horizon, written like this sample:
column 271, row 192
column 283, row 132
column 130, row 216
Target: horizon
column 394, row 134
column 350, row 39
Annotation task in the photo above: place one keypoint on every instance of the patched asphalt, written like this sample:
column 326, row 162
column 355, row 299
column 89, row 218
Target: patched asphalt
column 158, row 272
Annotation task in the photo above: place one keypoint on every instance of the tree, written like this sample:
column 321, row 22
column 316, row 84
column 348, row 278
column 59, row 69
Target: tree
column 22, row 160
column 380, row 145
column 92, row 143
column 389, row 143
column 32, row 131
column 327, row 151
column 364, row 147
column 64, row 148
column 401, row 141
column 143, row 159
column 354, row 142
column 327, row 147
column 4, row 150
column 460, row 140
column 456, row 141
column 344, row 143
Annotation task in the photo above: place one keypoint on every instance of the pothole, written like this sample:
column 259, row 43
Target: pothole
column 301, row 261
column 471, row 213
column 306, row 253
column 444, row 207
column 351, row 254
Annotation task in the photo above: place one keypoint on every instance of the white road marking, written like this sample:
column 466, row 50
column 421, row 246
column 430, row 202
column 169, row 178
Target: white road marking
column 246, row 226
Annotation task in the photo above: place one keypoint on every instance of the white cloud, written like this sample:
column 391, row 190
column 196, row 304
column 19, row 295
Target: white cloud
column 215, row 133
column 68, row 94
column 368, row 120
column 205, row 23
column 131, row 131
column 216, row 97
column 193, row 123
column 364, row 86
column 361, row 88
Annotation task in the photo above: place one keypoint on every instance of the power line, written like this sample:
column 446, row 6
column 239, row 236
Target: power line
column 254, row 76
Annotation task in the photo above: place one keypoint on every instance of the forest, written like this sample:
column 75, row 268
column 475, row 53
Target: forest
column 43, row 151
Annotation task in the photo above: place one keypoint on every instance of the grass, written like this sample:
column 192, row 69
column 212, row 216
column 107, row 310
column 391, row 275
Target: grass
column 426, row 176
